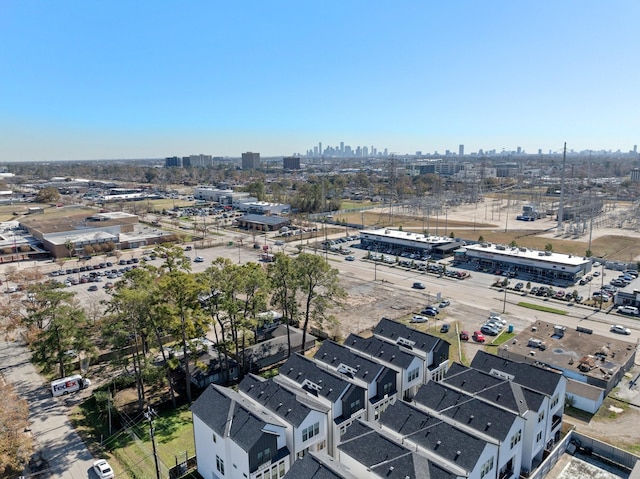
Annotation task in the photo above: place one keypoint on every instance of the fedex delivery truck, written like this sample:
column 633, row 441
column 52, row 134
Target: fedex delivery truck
column 68, row 385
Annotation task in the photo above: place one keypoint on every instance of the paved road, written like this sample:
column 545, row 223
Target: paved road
column 54, row 436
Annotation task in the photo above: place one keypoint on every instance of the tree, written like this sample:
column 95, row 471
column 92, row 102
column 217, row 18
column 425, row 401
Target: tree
column 181, row 292
column 285, row 287
column 481, row 239
column 70, row 247
column 15, row 445
column 319, row 286
column 59, row 327
column 131, row 320
column 548, row 247
column 47, row 195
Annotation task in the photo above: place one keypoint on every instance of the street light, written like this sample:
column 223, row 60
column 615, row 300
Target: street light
column 504, row 302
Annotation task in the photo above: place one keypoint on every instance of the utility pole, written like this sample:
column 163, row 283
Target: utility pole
column 149, row 415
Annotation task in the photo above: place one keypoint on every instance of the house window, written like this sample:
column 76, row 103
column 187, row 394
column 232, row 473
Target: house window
column 387, row 388
column 220, row 465
column 355, row 405
column 554, row 401
column 486, row 467
column 281, row 468
column 541, row 416
column 215, row 439
column 515, row 439
column 539, row 436
column 274, row 472
column 413, row 375
column 309, row 432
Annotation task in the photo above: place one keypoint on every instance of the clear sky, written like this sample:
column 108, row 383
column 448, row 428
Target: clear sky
column 149, row 79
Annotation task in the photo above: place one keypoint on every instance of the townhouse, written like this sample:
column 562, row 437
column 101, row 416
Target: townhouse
column 371, row 453
column 433, row 351
column 234, row 441
column 463, row 453
column 481, row 418
column 305, row 420
column 345, row 401
column 530, row 404
column 379, row 382
column 409, row 368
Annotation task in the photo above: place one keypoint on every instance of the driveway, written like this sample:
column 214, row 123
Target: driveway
column 54, row 436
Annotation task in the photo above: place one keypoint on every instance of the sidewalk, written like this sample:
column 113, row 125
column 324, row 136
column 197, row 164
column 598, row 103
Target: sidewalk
column 52, row 431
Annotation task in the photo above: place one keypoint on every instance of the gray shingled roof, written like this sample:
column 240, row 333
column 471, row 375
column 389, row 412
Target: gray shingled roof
column 299, row 369
column 379, row 349
column 368, row 446
column 393, row 330
column 471, row 412
column 527, row 375
column 446, row 441
column 334, row 355
column 413, row 466
column 318, row 466
column 275, row 398
column 503, row 393
column 218, row 406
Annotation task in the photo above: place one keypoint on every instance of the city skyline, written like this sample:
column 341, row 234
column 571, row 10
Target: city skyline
column 148, row 80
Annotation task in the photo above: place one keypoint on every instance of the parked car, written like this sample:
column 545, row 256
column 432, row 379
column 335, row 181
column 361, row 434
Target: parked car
column 464, row 336
column 628, row 310
column 419, row 319
column 350, row 258
column 490, row 330
column 478, row 337
column 444, row 303
column 518, row 286
column 93, row 287
column 418, row 285
column 199, row 259
column 429, row 312
column 616, row 328
column 444, row 328
column 103, row 470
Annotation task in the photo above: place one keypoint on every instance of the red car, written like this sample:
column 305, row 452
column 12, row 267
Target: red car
column 478, row 337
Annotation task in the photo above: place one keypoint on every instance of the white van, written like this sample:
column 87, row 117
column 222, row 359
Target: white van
column 68, row 385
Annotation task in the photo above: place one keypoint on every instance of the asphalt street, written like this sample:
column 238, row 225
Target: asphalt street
column 54, row 435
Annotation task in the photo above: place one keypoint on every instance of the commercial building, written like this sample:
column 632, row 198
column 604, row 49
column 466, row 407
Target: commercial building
column 390, row 241
column 592, row 364
column 543, row 266
column 250, row 161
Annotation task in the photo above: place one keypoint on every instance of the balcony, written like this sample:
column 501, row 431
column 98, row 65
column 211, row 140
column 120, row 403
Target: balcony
column 506, row 474
column 556, row 421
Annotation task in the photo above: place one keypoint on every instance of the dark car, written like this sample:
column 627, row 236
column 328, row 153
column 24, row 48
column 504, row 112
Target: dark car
column 93, row 287
column 428, row 312
column 464, row 336
column 418, row 285
column 444, row 328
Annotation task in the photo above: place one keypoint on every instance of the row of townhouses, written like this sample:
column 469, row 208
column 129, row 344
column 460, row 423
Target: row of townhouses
column 387, row 406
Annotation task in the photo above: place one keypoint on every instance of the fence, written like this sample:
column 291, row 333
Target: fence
column 588, row 445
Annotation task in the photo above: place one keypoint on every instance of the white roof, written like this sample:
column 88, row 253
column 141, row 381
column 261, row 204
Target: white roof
column 526, row 253
column 407, row 236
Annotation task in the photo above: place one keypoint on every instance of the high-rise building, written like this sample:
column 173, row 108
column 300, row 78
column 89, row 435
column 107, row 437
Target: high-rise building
column 173, row 162
column 461, row 150
column 291, row 163
column 250, row 161
column 342, row 147
column 320, row 148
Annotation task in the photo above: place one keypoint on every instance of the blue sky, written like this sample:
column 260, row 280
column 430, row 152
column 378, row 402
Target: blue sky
column 149, row 79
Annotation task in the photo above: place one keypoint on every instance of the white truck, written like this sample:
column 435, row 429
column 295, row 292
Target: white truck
column 68, row 385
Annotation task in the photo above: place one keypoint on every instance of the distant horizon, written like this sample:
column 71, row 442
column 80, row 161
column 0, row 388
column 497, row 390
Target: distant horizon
column 280, row 77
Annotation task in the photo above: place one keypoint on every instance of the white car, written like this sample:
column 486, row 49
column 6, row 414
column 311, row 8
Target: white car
column 419, row 319
column 103, row 469
column 199, row 259
column 616, row 328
